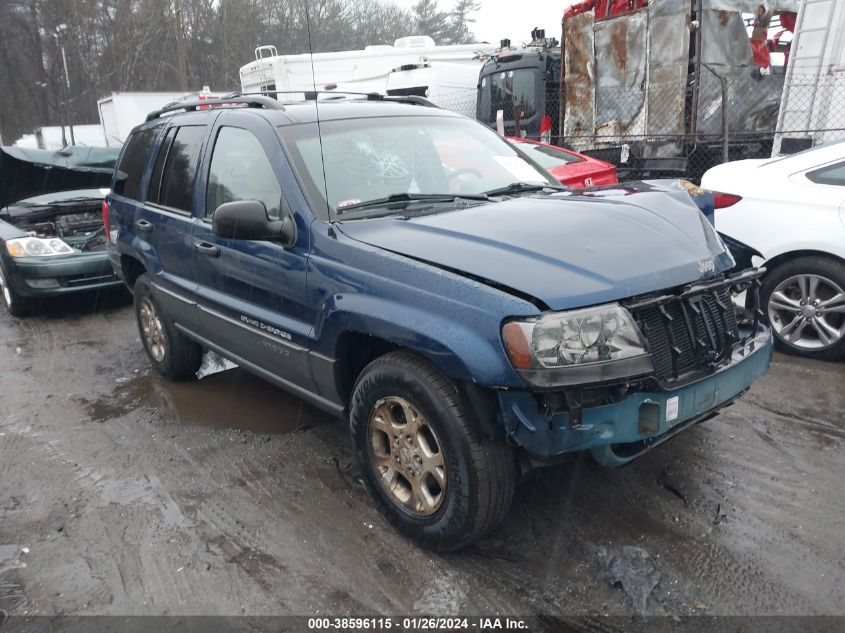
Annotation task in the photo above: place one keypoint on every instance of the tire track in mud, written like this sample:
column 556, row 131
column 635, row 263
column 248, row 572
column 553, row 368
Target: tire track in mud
column 813, row 425
column 10, row 442
column 34, row 336
column 762, row 493
column 100, row 479
column 274, row 498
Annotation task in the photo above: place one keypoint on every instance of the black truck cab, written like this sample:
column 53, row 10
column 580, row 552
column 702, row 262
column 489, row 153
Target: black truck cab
column 524, row 85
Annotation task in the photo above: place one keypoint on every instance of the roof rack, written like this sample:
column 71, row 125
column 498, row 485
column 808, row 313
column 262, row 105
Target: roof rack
column 251, row 101
column 311, row 95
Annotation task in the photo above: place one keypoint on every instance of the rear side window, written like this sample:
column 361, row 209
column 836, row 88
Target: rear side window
column 130, row 170
column 176, row 186
column 158, row 170
column 831, row 175
column 240, row 170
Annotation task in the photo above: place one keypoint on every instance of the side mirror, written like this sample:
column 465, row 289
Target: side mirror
column 247, row 220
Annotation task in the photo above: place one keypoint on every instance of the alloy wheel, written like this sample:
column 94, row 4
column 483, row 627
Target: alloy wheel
column 808, row 312
column 152, row 329
column 407, row 456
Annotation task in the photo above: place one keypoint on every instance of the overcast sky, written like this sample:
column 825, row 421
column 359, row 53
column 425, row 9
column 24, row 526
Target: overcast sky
column 513, row 19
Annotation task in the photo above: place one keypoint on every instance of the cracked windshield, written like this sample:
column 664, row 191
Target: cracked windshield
column 366, row 160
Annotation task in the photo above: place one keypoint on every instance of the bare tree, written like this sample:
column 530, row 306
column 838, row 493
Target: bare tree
column 161, row 45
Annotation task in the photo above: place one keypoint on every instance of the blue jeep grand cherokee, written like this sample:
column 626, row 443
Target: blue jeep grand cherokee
column 406, row 268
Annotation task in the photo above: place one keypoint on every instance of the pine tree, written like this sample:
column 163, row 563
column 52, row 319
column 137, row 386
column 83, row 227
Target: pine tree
column 460, row 19
column 432, row 21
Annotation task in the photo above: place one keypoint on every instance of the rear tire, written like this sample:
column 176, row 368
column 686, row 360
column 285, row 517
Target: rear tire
column 445, row 483
column 17, row 305
column 800, row 301
column 172, row 354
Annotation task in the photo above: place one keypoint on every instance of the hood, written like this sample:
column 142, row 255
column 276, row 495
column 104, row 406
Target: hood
column 28, row 172
column 565, row 250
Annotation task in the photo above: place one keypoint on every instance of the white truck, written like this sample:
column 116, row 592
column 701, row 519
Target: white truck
column 812, row 109
column 415, row 65
column 121, row 111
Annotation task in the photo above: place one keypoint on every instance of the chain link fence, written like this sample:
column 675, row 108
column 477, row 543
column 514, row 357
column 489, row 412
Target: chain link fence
column 675, row 128
column 684, row 129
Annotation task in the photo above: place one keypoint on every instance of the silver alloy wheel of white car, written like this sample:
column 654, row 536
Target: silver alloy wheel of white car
column 808, row 312
column 7, row 292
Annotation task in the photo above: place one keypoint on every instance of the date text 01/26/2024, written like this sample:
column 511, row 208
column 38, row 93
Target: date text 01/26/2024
column 420, row 623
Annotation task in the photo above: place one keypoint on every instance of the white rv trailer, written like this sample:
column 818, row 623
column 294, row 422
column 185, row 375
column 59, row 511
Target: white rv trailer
column 451, row 72
column 812, row 108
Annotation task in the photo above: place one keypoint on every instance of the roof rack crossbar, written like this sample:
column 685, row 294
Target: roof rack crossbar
column 251, row 101
column 369, row 96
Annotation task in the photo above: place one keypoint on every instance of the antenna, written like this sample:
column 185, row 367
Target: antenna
column 317, row 111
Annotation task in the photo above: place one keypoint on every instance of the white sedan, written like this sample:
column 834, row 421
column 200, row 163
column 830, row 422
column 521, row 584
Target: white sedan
column 792, row 210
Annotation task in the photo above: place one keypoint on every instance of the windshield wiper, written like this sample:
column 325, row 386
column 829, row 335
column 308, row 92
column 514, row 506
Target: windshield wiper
column 407, row 198
column 522, row 187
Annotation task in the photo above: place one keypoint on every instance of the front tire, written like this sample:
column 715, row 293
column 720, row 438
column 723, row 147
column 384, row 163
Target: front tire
column 431, row 471
column 17, row 305
column 804, row 301
column 172, row 354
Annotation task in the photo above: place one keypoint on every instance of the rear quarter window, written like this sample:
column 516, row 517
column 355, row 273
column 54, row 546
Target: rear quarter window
column 830, row 175
column 130, row 169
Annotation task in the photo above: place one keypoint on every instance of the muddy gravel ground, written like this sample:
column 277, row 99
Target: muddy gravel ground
column 123, row 494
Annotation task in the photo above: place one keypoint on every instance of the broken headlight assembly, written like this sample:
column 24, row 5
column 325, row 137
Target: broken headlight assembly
column 585, row 346
column 37, row 247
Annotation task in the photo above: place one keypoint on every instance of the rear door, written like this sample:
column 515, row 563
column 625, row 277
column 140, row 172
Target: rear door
column 252, row 294
column 165, row 221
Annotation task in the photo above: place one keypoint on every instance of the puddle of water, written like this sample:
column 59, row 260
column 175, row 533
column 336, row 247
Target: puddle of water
column 225, row 397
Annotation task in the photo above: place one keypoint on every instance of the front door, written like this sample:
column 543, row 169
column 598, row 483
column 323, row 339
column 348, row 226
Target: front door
column 252, row 294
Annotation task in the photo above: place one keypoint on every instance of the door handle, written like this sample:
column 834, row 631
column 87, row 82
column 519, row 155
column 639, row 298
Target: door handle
column 205, row 248
column 144, row 226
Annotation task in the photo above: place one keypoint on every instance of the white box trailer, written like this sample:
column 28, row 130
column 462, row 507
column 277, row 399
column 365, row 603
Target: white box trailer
column 122, row 111
column 812, row 109
column 367, row 70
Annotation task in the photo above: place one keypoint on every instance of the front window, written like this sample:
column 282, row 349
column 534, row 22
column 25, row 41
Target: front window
column 369, row 159
column 240, row 170
column 512, row 91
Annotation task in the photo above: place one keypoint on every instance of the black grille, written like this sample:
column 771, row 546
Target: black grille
column 689, row 335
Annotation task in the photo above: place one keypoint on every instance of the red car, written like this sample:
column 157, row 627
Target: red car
column 570, row 168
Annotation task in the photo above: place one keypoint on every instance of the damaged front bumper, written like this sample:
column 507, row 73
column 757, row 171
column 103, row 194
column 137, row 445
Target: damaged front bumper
column 620, row 432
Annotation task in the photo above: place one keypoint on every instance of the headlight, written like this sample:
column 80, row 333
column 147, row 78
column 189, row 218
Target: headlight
column 577, row 346
column 37, row 247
